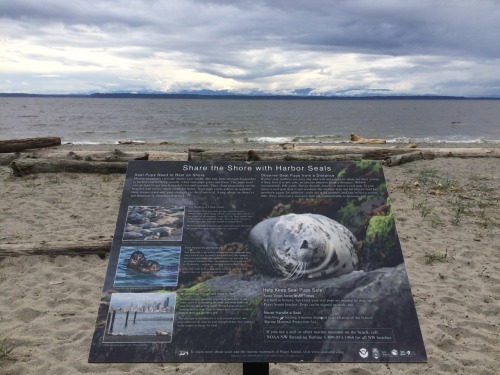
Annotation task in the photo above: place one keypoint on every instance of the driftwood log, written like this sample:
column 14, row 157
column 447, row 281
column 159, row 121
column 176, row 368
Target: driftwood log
column 403, row 158
column 116, row 155
column 104, row 156
column 268, row 155
column 112, row 163
column 107, row 156
column 16, row 145
column 322, row 153
column 357, row 139
column 6, row 159
column 55, row 248
column 22, row 167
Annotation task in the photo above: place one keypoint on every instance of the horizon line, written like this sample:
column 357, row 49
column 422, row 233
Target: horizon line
column 215, row 95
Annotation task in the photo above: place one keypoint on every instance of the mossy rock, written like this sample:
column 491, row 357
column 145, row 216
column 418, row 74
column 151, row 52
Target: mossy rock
column 381, row 247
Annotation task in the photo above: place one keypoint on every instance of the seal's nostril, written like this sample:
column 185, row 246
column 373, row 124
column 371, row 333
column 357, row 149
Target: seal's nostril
column 305, row 245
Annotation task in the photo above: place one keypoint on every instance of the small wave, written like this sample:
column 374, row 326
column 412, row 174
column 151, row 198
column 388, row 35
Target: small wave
column 311, row 139
column 444, row 140
column 289, row 139
column 317, row 138
column 238, row 131
column 269, row 140
column 84, row 143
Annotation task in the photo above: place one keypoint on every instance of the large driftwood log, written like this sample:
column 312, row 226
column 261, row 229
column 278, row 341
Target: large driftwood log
column 15, row 145
column 107, row 156
column 22, row 167
column 6, row 159
column 55, row 248
column 429, row 152
column 275, row 153
column 403, row 158
column 104, row 156
column 116, row 155
column 357, row 139
column 320, row 153
column 256, row 155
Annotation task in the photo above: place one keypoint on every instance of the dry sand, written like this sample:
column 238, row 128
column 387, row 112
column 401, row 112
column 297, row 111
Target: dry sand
column 447, row 208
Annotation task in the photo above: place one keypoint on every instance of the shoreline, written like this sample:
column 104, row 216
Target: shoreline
column 186, row 147
column 447, row 214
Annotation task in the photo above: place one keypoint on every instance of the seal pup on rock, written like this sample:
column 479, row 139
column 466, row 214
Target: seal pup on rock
column 303, row 245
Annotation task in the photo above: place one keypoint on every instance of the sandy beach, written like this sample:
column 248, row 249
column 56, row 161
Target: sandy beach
column 447, row 215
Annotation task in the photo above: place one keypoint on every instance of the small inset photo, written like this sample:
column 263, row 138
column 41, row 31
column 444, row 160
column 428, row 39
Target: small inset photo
column 140, row 317
column 154, row 223
column 148, row 266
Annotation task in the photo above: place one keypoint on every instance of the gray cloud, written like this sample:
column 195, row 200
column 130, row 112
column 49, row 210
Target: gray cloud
column 242, row 44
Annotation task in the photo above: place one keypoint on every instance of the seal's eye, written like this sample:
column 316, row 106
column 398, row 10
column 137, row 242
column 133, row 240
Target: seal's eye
column 304, row 245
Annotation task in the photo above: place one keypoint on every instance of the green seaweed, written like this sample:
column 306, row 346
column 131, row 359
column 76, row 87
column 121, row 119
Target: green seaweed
column 382, row 244
column 195, row 292
column 369, row 164
column 350, row 215
column 381, row 227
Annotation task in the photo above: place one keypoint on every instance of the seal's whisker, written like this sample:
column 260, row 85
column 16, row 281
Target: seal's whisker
column 297, row 245
column 296, row 272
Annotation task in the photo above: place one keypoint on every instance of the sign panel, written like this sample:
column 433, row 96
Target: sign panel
column 256, row 262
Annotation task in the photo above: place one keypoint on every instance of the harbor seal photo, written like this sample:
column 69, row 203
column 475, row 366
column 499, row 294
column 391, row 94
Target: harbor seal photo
column 303, row 245
column 138, row 262
column 150, row 266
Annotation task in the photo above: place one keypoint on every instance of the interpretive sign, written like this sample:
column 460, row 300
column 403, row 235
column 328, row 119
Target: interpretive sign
column 256, row 262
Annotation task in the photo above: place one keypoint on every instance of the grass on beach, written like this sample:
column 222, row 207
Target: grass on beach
column 5, row 350
column 441, row 201
column 475, row 199
column 432, row 256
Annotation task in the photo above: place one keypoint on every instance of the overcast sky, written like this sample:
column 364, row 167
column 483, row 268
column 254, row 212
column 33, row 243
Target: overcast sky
column 348, row 47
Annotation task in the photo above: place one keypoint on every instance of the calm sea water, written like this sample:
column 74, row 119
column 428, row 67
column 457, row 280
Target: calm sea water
column 94, row 121
column 167, row 256
column 145, row 323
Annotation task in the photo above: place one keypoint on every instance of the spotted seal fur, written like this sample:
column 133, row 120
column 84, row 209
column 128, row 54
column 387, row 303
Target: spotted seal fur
column 150, row 266
column 138, row 262
column 137, row 258
column 303, row 245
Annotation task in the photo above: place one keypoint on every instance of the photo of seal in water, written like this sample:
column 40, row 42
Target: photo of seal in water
column 138, row 262
column 303, row 245
column 148, row 266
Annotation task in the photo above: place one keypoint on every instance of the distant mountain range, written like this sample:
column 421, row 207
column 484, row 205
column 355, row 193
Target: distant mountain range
column 226, row 94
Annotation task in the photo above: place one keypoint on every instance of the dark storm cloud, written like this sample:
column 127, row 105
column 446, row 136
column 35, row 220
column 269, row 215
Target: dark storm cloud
column 247, row 40
column 382, row 27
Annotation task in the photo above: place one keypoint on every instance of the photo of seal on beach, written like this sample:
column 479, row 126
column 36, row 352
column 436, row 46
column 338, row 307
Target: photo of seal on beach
column 303, row 245
column 140, row 317
column 141, row 266
column 154, row 223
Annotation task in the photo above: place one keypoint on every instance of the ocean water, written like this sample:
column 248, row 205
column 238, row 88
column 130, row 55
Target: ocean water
column 167, row 256
column 188, row 121
column 145, row 323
